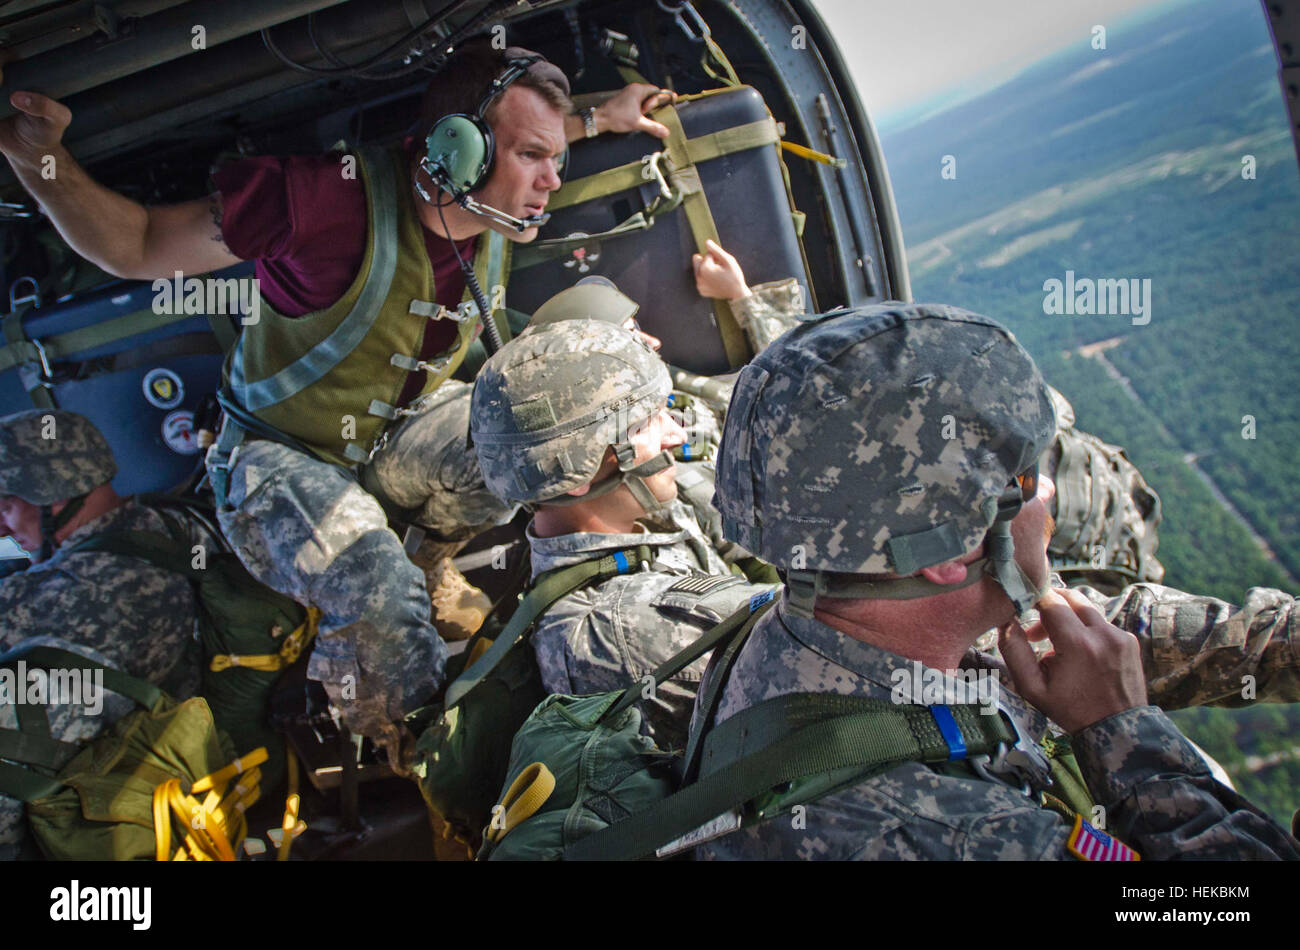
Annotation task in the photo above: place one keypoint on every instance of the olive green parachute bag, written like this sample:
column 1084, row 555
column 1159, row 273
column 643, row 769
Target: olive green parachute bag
column 579, row 764
column 585, row 785
column 464, row 745
column 127, row 794
column 248, row 633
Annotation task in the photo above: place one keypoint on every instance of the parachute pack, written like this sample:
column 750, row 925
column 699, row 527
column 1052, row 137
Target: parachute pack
column 163, row 773
column 584, row 784
column 249, row 634
column 463, row 751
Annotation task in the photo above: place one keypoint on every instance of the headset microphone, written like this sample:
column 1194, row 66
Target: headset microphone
column 458, row 159
column 459, row 148
column 441, row 181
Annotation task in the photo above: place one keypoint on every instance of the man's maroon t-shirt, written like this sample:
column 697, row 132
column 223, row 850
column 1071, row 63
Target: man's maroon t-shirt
column 304, row 224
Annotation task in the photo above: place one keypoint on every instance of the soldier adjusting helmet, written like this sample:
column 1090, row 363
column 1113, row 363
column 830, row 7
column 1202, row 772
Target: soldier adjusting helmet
column 884, row 440
column 548, row 404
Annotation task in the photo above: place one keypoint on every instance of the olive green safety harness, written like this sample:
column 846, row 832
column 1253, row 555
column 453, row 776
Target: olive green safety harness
column 789, row 750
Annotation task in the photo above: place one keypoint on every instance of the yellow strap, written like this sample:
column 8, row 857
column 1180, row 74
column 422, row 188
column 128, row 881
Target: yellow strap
column 203, row 842
column 221, row 825
column 480, row 647
column 290, row 820
column 703, row 230
column 288, row 654
column 812, row 155
column 527, row 793
column 162, row 826
column 239, row 799
column 221, row 776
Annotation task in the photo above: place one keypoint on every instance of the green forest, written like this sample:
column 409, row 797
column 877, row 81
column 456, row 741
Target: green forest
column 1190, row 182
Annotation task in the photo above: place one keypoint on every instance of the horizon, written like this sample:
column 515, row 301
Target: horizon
column 1014, row 35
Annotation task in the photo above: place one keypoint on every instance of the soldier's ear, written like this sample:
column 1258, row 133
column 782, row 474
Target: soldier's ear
column 947, row 573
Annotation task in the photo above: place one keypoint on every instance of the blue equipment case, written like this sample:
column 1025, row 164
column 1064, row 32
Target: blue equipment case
column 180, row 361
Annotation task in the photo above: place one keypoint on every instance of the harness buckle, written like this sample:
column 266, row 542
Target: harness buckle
column 654, row 163
column 697, row 31
column 993, row 769
column 1023, row 764
column 47, row 371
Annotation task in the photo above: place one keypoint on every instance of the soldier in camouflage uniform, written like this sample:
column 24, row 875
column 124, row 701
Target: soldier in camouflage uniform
column 366, row 253
column 571, row 419
column 55, row 470
column 900, row 543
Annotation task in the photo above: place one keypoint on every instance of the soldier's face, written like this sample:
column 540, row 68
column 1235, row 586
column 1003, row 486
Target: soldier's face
column 651, row 437
column 21, row 521
column 530, row 142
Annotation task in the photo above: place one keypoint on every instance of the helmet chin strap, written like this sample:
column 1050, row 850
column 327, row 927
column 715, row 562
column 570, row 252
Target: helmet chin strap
column 633, row 476
column 51, row 523
column 999, row 563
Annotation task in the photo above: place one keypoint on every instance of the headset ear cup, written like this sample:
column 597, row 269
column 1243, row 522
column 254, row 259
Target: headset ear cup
column 460, row 147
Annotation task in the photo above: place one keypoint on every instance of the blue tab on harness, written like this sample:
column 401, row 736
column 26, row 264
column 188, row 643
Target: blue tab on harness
column 621, row 562
column 758, row 600
column 950, row 732
column 686, row 451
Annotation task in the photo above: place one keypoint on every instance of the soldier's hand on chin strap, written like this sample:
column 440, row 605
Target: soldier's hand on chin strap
column 1094, row 670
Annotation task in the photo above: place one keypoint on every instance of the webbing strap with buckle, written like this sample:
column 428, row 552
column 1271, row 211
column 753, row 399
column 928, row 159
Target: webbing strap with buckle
column 22, row 350
column 703, row 229
column 548, row 588
column 681, row 181
column 28, row 355
column 786, row 739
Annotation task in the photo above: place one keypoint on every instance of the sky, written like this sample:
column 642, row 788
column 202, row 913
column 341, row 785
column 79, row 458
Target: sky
column 966, row 46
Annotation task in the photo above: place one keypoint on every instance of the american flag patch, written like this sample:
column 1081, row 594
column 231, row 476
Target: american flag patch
column 1088, row 844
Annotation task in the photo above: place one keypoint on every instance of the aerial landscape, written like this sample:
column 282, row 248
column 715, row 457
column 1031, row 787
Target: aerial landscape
column 1156, row 177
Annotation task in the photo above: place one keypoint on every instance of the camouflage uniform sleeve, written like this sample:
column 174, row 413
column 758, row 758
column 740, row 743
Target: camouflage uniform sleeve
column 1107, row 516
column 769, row 310
column 701, row 424
column 1199, row 651
column 695, row 490
column 1159, row 796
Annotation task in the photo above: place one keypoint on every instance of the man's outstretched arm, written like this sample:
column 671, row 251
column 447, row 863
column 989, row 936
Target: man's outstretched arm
column 113, row 232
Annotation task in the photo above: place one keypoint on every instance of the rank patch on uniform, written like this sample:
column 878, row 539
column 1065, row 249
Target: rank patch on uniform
column 1088, row 844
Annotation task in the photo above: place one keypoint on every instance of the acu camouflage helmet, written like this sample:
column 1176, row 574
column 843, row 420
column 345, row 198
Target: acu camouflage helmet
column 51, row 455
column 883, row 440
column 549, row 403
